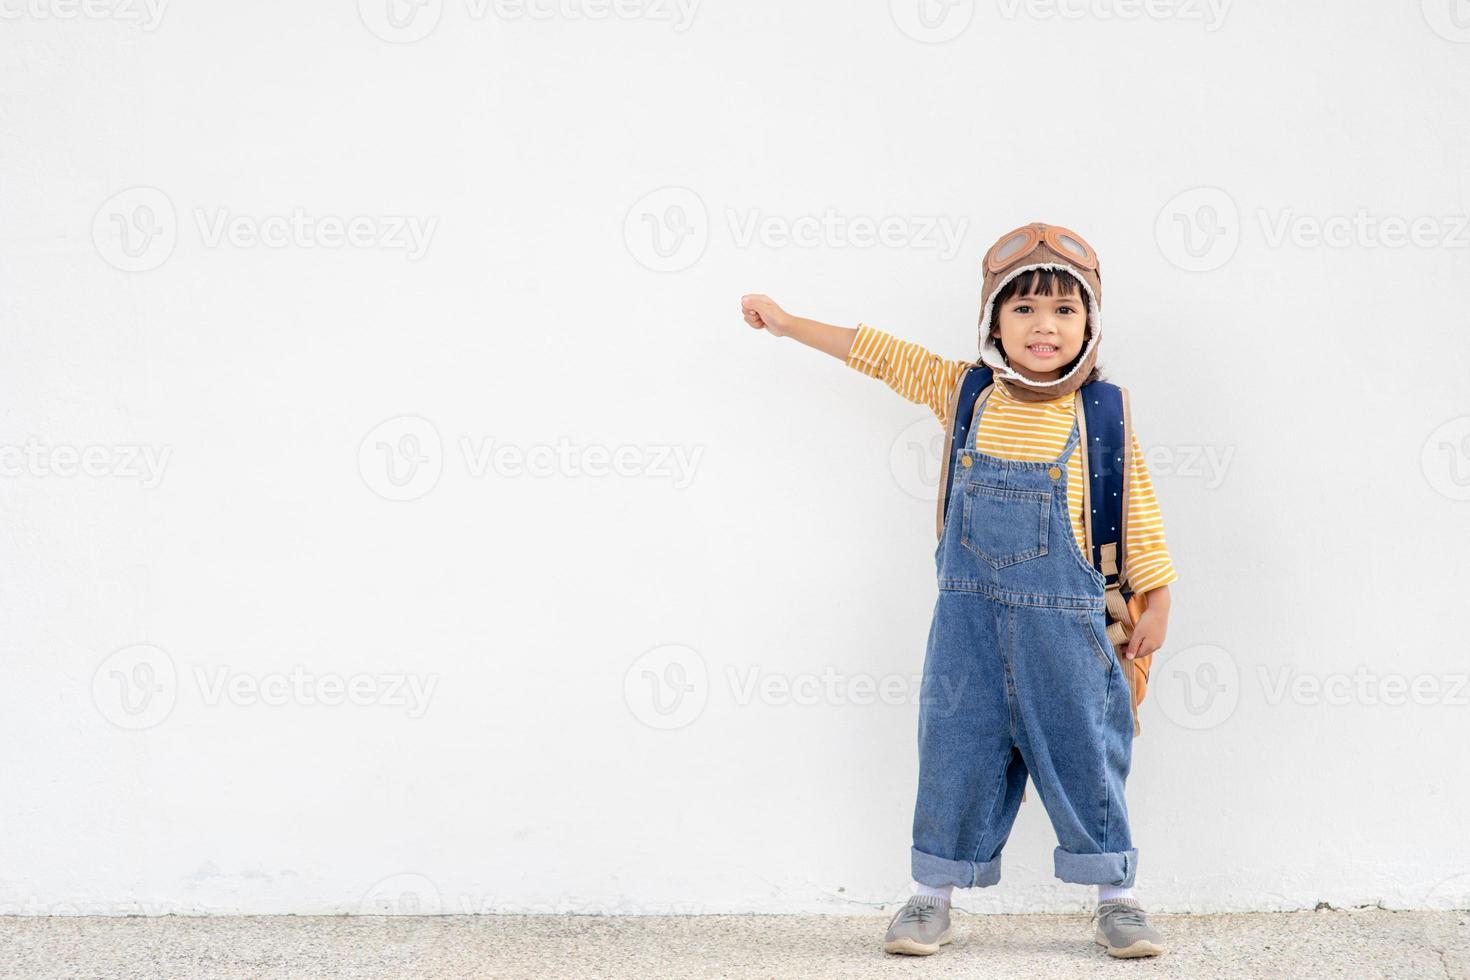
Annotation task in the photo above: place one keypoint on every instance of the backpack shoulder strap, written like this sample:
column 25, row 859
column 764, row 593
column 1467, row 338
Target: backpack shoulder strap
column 1108, row 430
column 967, row 391
column 1109, row 448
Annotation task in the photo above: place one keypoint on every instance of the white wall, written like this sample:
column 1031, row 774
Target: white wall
column 173, row 620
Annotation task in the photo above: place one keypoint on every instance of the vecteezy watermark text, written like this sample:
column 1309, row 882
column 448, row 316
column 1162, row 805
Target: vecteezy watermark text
column 298, row 686
column 403, row 458
column 407, row 21
column 939, row 233
column 138, row 686
column 674, row 463
column 1199, row 230
column 1364, row 686
column 143, row 463
column 147, row 14
column 1364, row 230
column 1210, row 13
column 669, row 686
column 756, row 685
column 667, row 230
column 407, row 233
column 136, row 230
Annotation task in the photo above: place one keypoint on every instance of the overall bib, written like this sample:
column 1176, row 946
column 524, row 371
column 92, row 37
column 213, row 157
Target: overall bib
column 1019, row 678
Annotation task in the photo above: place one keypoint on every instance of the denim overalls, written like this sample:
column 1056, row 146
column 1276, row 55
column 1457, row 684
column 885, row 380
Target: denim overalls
column 1019, row 677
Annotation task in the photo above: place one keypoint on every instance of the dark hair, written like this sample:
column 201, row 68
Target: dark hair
column 1045, row 282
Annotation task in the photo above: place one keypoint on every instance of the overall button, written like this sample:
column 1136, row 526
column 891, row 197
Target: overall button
column 966, row 462
column 1054, row 472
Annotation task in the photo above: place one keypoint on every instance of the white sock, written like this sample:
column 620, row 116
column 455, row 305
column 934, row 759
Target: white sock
column 1106, row 893
column 943, row 891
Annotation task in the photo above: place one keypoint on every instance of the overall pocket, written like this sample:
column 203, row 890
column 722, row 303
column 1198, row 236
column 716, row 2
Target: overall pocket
column 1094, row 624
column 1005, row 526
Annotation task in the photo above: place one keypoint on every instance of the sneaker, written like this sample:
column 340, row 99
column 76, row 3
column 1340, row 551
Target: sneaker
column 920, row 927
column 1123, row 928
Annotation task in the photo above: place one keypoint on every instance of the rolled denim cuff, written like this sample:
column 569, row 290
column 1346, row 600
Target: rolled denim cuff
column 1114, row 868
column 937, row 871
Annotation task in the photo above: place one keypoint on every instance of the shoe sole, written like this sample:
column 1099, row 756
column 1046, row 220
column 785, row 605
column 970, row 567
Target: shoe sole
column 911, row 947
column 1141, row 947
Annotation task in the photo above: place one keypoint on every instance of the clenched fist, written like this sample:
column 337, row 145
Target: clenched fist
column 762, row 313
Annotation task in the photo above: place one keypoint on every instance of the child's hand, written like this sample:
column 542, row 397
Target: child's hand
column 761, row 312
column 1148, row 632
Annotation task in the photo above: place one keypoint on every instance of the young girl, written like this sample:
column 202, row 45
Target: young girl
column 1019, row 627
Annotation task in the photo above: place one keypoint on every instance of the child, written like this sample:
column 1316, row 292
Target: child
column 1019, row 626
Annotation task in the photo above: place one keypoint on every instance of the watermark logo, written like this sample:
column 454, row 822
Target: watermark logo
column 1451, row 893
column 1450, row 19
column 1208, row 464
column 667, row 230
column 400, row 21
column 674, row 463
column 389, row 689
column 915, row 461
column 939, row 233
column 1199, row 229
column 136, row 230
column 401, row 459
column 1210, row 13
column 932, row 21
column 679, row 13
column 1363, row 230
column 667, row 687
column 138, row 686
column 33, row 458
column 402, row 894
column 412, row 894
column 1364, row 687
column 836, row 688
column 1198, row 687
column 1445, row 459
column 135, row 687
column 147, row 14
column 406, row 233
column 407, row 21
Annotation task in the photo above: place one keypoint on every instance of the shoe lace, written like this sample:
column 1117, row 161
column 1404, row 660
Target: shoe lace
column 1128, row 915
column 919, row 913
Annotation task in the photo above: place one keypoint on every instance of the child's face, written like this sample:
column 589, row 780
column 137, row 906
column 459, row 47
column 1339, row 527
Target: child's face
column 1042, row 334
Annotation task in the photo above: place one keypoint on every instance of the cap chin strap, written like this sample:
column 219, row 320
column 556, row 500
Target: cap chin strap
column 1023, row 388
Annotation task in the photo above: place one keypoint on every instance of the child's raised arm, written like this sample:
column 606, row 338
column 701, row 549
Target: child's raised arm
column 762, row 313
column 910, row 370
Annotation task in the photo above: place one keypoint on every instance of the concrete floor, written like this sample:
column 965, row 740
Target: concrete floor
column 1357, row 943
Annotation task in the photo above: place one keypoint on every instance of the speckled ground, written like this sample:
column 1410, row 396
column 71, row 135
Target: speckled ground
column 1358, row 943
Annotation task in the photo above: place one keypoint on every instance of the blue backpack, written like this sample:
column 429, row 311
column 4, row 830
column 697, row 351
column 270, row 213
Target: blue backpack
column 1107, row 435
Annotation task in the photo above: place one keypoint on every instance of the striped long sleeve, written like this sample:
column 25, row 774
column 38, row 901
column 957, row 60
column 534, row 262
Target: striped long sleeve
column 1145, row 554
column 908, row 369
column 1014, row 429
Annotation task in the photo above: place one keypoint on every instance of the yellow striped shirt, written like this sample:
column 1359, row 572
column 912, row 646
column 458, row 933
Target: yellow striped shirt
column 1013, row 429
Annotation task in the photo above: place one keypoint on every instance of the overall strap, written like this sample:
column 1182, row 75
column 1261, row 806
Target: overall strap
column 967, row 391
